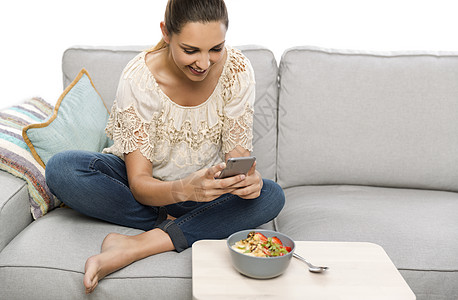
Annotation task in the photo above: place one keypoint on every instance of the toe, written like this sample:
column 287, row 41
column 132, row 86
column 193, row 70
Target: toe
column 90, row 279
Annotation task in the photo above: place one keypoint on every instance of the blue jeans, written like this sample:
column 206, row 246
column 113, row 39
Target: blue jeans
column 96, row 185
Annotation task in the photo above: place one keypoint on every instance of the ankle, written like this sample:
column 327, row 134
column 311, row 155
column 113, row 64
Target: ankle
column 152, row 242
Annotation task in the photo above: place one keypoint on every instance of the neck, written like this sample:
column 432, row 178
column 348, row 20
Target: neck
column 173, row 68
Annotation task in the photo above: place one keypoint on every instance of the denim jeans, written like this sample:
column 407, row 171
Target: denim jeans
column 96, row 185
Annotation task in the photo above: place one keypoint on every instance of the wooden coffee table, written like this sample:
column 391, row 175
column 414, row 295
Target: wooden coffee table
column 356, row 271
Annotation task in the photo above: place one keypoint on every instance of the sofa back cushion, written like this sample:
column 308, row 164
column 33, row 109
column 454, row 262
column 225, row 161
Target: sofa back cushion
column 361, row 118
column 105, row 64
column 265, row 109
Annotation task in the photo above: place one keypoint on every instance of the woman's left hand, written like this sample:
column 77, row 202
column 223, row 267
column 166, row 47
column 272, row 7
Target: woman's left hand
column 251, row 186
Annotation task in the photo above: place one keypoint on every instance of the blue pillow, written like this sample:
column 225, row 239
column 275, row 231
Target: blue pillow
column 77, row 123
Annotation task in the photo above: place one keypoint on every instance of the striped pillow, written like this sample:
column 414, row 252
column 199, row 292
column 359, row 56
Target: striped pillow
column 15, row 155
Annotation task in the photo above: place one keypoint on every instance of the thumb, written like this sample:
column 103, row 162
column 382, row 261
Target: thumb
column 212, row 171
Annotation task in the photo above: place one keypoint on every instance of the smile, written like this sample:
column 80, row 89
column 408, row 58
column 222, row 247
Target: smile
column 197, row 71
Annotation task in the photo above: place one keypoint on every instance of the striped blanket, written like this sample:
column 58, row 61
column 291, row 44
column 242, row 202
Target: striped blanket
column 15, row 155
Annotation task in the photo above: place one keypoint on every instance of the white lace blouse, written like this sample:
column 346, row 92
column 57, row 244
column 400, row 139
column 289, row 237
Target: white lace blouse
column 179, row 140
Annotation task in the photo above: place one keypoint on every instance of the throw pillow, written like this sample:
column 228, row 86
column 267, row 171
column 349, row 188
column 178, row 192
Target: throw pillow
column 15, row 155
column 78, row 123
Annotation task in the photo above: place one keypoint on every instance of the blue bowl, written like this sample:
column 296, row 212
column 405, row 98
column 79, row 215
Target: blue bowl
column 260, row 267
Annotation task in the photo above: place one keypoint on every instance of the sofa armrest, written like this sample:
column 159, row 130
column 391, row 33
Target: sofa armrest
column 14, row 207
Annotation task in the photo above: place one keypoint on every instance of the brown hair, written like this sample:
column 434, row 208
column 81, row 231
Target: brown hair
column 180, row 12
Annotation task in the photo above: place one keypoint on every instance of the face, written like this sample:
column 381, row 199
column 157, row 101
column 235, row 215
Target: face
column 197, row 48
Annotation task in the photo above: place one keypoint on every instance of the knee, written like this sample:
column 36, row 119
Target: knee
column 59, row 168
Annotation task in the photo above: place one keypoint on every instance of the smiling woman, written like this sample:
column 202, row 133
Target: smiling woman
column 181, row 110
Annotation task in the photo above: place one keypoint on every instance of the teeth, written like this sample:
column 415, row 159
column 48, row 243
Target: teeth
column 198, row 70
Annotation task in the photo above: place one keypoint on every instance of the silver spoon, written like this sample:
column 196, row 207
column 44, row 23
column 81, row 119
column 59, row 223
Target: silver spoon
column 312, row 268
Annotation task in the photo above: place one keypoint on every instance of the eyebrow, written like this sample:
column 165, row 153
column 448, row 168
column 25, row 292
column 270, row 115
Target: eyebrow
column 197, row 48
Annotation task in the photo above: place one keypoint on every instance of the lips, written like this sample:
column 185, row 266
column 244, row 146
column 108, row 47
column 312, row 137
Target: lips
column 197, row 71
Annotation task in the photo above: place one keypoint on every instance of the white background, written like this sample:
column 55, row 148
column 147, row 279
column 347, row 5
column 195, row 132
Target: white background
column 34, row 34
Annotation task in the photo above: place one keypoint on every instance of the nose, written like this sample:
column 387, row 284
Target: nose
column 204, row 61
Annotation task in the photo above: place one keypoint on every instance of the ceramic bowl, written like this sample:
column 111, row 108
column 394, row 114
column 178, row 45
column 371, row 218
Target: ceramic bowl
column 260, row 267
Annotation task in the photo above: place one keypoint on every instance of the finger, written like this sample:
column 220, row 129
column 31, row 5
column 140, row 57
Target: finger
column 244, row 192
column 251, row 196
column 250, row 192
column 249, row 187
column 212, row 195
column 247, row 181
column 250, row 179
column 211, row 172
column 230, row 182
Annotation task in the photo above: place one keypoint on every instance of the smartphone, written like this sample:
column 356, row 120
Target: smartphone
column 237, row 166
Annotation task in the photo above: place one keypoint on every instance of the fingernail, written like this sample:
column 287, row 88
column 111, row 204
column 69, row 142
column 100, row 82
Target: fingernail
column 222, row 165
column 242, row 177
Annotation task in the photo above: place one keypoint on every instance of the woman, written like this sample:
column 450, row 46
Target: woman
column 181, row 110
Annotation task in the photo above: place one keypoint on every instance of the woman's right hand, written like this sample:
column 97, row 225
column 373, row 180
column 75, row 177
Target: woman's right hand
column 202, row 186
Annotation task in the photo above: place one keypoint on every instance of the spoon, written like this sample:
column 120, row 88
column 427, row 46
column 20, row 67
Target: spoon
column 312, row 268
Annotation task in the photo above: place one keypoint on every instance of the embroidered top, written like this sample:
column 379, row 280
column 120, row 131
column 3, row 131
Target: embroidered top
column 179, row 140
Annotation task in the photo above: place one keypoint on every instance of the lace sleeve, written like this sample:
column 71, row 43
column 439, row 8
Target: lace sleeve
column 239, row 104
column 129, row 126
column 129, row 132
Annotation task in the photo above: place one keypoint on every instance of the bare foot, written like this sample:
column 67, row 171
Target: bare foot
column 117, row 252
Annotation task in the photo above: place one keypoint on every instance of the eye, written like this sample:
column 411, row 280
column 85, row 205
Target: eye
column 189, row 51
column 217, row 49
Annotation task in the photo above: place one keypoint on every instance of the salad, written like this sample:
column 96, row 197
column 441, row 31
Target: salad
column 257, row 244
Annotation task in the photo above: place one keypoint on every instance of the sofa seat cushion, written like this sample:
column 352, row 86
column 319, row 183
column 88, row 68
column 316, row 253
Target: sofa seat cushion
column 52, row 251
column 417, row 228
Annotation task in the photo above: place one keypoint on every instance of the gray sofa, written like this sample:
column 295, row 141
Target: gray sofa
column 365, row 146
